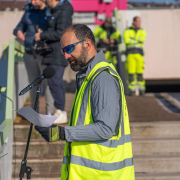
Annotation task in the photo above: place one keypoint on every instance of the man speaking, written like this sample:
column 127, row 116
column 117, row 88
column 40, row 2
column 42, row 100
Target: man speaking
column 61, row 18
column 98, row 142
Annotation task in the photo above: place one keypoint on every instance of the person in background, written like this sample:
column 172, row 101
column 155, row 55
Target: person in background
column 134, row 38
column 36, row 14
column 107, row 39
column 61, row 18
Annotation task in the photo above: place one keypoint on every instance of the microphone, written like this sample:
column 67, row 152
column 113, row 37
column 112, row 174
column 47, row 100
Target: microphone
column 47, row 73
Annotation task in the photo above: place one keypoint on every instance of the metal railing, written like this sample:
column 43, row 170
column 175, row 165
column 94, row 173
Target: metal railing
column 12, row 53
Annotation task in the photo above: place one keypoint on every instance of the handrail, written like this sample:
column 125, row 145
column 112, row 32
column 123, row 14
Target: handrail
column 15, row 54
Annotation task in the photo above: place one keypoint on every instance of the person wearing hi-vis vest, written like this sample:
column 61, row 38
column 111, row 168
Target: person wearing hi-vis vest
column 98, row 141
column 134, row 38
column 107, row 39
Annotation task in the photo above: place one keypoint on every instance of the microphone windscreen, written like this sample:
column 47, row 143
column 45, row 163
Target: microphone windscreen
column 49, row 72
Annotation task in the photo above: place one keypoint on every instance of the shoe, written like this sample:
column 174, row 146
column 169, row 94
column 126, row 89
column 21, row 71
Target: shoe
column 62, row 117
column 132, row 93
column 141, row 92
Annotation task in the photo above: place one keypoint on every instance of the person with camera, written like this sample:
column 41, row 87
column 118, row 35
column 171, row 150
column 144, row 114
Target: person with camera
column 36, row 14
column 61, row 18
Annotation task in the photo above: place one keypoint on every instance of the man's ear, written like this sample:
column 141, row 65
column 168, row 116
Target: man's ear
column 88, row 44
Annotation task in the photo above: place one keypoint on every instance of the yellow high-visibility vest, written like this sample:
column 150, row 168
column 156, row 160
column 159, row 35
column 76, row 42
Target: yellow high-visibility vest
column 134, row 38
column 110, row 159
column 101, row 33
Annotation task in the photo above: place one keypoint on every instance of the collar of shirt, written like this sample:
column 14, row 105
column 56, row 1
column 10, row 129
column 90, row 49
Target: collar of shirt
column 83, row 69
column 132, row 27
column 91, row 64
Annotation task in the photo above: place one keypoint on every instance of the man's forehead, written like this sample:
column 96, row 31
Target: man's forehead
column 138, row 19
column 68, row 38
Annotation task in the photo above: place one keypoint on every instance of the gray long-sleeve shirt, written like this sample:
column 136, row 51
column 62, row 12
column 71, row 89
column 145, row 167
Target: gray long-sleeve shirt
column 105, row 106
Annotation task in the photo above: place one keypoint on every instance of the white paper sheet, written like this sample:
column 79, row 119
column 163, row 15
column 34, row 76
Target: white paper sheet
column 35, row 118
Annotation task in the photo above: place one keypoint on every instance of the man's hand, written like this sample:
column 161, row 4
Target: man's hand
column 112, row 41
column 52, row 133
column 37, row 35
column 106, row 41
column 20, row 35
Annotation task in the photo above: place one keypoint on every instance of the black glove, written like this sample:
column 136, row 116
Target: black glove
column 62, row 133
column 52, row 133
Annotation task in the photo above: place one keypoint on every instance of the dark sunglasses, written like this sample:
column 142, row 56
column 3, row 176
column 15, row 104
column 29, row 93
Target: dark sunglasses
column 69, row 49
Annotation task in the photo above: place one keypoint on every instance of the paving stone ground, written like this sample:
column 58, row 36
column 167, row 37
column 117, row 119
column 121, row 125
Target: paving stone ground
column 148, row 109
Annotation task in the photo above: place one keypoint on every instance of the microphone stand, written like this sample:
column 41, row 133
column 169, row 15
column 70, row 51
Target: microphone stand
column 26, row 169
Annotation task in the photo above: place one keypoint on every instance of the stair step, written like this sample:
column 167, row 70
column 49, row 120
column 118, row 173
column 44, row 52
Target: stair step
column 22, row 131
column 158, row 176
column 151, row 164
column 140, row 147
column 156, row 147
column 157, row 164
column 40, row 166
column 138, row 130
column 139, row 176
column 159, row 129
column 40, row 149
column 39, row 176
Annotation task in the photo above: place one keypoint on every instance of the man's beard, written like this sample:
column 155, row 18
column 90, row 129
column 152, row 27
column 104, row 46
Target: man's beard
column 37, row 7
column 80, row 61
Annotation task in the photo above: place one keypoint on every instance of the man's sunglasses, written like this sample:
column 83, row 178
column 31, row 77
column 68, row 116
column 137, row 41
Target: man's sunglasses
column 69, row 49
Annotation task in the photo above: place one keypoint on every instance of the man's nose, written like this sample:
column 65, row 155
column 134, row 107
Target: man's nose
column 66, row 55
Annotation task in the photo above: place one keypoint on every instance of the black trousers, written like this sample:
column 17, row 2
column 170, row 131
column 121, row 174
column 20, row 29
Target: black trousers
column 56, row 86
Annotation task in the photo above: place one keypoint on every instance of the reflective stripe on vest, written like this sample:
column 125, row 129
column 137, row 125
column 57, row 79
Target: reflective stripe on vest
column 130, row 46
column 99, row 165
column 105, row 159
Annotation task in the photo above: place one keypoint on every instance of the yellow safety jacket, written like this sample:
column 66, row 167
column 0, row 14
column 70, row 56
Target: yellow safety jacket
column 110, row 50
column 101, row 33
column 110, row 159
column 134, row 40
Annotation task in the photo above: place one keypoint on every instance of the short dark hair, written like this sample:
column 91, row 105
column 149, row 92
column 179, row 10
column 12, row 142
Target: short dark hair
column 134, row 19
column 81, row 31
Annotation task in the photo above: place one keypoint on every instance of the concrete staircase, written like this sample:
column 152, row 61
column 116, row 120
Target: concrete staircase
column 156, row 150
column 44, row 158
